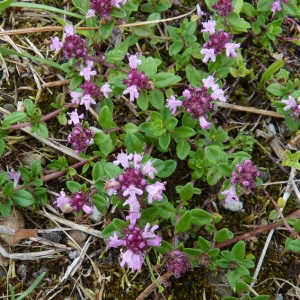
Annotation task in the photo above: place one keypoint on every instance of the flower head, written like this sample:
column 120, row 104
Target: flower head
column 230, row 49
column 105, row 89
column 177, row 262
column 135, row 243
column 293, row 105
column 104, row 7
column 61, row 199
column 209, row 26
column 80, row 201
column 134, row 61
column 230, row 194
column 75, row 47
column 223, row 7
column 276, row 5
column 80, row 138
column 15, row 176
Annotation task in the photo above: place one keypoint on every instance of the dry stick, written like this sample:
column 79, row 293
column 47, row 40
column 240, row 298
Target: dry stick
column 161, row 279
column 56, row 83
column 250, row 110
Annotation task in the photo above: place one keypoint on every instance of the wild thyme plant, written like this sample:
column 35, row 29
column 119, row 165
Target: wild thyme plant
column 175, row 103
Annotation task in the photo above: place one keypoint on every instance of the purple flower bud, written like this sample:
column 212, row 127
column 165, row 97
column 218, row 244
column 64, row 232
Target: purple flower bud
column 80, row 201
column 177, row 262
column 80, row 138
column 223, row 7
column 75, row 47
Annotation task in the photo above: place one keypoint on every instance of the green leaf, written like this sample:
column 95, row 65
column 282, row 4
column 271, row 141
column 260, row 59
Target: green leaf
column 293, row 245
column 186, row 192
column 5, row 4
column 5, row 208
column 213, row 154
column 130, row 128
column 184, row 132
column 183, row 149
column 165, row 79
column 75, row 82
column 275, row 89
column 214, row 175
column 171, row 123
column 3, row 177
column 241, row 286
column 31, row 5
column 32, row 286
column 105, row 30
column 42, row 131
column 271, row 70
column 193, row 75
column 164, row 168
column 238, row 250
column 203, row 244
column 2, row 146
column 156, row 99
column 233, row 277
column 200, row 217
column 133, row 143
column 111, row 170
column 237, row 23
column 264, row 5
column 23, row 198
column 82, row 5
column 176, row 47
column 14, row 117
column 48, row 62
column 223, row 235
column 105, row 118
column 8, row 189
column 164, row 140
column 149, row 65
column 100, row 202
column 143, row 100
column 165, row 210
column 223, row 263
column 73, row 186
column 142, row 31
column 100, row 138
column 184, row 222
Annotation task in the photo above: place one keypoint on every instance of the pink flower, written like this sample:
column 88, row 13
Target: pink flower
column 74, row 117
column 132, row 191
column 61, row 199
column 149, row 170
column 122, row 158
column 87, row 72
column 105, row 89
column 173, row 104
column 209, row 26
column 155, row 191
column 230, row 194
column 187, row 94
column 134, row 61
column 76, row 97
column 133, row 92
column 290, row 103
column 90, row 13
column 137, row 160
column 87, row 100
column 69, row 30
column 56, row 44
column 276, row 5
column 111, row 186
column 204, row 123
column 209, row 54
column 219, row 94
column 230, row 49
column 209, row 82
column 15, row 176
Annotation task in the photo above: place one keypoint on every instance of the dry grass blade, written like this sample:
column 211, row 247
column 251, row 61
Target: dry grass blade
column 71, row 224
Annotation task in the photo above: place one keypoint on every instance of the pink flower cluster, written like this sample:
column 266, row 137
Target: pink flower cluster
column 103, row 7
column 219, row 40
column 244, row 179
column 132, row 186
column 136, row 242
column 78, row 201
column 293, row 105
column 136, row 80
column 198, row 101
